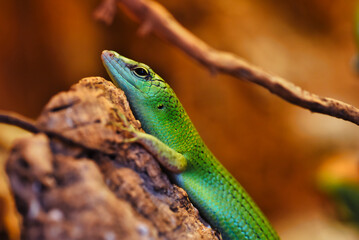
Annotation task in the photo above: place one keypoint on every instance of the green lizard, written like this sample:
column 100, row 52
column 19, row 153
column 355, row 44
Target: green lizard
column 214, row 191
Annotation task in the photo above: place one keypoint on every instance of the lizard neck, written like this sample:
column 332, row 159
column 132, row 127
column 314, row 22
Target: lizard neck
column 173, row 127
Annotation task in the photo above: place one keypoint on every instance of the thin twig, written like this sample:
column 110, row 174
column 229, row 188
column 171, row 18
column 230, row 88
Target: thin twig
column 18, row 120
column 154, row 17
column 28, row 124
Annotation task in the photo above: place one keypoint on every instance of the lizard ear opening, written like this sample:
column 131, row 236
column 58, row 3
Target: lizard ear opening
column 160, row 106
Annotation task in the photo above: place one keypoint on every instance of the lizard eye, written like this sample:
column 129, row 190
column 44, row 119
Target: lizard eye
column 140, row 72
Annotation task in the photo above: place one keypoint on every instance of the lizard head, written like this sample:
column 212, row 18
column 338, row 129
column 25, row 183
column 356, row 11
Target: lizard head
column 151, row 99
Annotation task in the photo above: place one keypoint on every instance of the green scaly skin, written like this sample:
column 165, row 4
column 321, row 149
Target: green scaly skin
column 214, row 191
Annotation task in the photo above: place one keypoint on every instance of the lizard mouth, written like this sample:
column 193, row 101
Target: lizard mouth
column 116, row 66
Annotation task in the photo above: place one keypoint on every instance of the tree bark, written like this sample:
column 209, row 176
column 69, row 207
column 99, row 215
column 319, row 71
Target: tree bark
column 77, row 179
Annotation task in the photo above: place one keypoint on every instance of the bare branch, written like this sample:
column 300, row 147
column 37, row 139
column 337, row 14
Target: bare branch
column 106, row 11
column 18, row 120
column 154, row 17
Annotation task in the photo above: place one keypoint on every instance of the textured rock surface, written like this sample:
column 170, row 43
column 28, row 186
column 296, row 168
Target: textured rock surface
column 78, row 180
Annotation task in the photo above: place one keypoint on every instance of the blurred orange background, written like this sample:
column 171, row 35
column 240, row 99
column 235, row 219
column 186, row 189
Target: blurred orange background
column 272, row 147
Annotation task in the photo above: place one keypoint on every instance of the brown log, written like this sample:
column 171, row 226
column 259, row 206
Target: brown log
column 77, row 179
